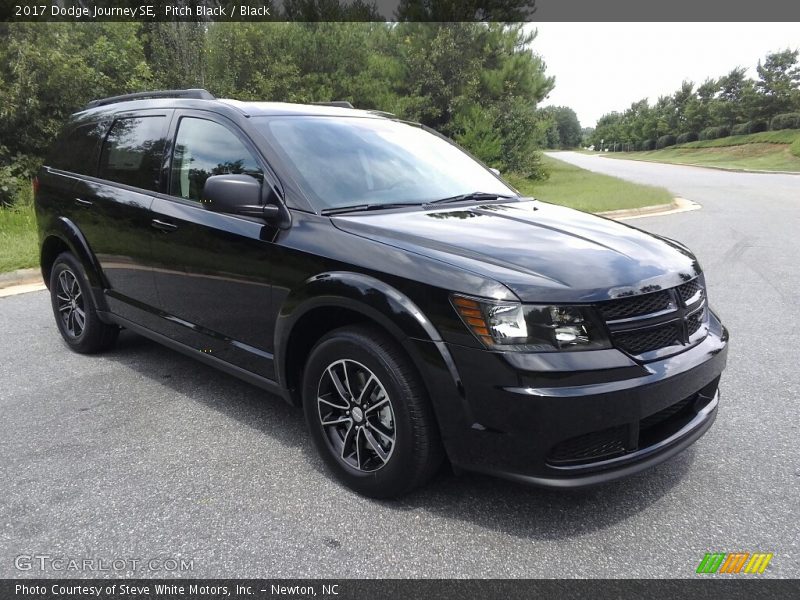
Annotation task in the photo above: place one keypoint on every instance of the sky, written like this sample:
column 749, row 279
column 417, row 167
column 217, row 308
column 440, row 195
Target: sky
column 602, row 67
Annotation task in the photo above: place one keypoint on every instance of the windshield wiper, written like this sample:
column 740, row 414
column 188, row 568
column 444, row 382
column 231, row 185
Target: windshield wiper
column 365, row 207
column 470, row 196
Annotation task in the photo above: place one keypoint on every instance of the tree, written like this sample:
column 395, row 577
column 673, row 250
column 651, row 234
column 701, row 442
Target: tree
column 565, row 129
column 779, row 83
column 50, row 70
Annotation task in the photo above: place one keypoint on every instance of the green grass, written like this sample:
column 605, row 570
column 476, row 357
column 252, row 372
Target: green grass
column 765, row 151
column 19, row 246
column 572, row 186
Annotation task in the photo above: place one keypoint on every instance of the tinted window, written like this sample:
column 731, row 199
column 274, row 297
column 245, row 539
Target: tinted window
column 76, row 149
column 202, row 149
column 346, row 161
column 133, row 151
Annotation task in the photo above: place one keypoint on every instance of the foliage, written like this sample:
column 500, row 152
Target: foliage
column 564, row 129
column 49, row 70
column 727, row 101
column 689, row 136
column 712, row 133
column 786, row 121
column 740, row 129
column 665, row 140
column 786, row 136
column 477, row 82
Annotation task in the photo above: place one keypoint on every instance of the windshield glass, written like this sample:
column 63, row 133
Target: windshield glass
column 350, row 161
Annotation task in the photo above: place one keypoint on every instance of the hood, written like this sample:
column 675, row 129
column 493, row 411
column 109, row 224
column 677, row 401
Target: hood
column 542, row 252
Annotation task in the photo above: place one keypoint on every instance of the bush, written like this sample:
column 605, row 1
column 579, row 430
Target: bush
column 757, row 126
column 740, row 129
column 685, row 138
column 665, row 141
column 648, row 145
column 713, row 133
column 10, row 186
column 785, row 121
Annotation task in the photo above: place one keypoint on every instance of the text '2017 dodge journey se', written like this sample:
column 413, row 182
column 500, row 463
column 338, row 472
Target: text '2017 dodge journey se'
column 371, row 271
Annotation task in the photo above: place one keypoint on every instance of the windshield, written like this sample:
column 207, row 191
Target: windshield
column 349, row 161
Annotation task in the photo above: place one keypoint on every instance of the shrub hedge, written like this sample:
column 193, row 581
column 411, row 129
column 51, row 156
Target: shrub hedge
column 689, row 136
column 713, row 133
column 786, row 121
column 665, row 141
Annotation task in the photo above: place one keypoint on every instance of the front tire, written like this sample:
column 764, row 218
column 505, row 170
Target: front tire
column 368, row 413
column 74, row 310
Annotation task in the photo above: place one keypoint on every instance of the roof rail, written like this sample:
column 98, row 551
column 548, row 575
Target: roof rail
column 339, row 103
column 193, row 93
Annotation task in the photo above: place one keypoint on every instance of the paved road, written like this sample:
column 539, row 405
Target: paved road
column 143, row 453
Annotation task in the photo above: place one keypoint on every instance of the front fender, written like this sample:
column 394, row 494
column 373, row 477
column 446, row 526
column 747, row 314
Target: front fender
column 371, row 297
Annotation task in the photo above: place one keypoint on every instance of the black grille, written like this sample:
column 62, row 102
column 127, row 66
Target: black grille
column 592, row 446
column 635, row 306
column 646, row 340
column 694, row 322
column 637, row 327
column 688, row 290
column 665, row 414
column 618, row 441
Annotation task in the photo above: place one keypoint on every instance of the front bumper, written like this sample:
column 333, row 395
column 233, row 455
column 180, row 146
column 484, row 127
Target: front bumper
column 552, row 423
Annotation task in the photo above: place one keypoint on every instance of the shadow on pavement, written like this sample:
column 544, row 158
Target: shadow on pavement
column 508, row 507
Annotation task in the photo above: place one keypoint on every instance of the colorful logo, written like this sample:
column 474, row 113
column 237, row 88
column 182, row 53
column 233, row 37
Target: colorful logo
column 734, row 562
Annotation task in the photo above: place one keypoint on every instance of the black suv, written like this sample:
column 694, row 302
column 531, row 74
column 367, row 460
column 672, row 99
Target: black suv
column 371, row 271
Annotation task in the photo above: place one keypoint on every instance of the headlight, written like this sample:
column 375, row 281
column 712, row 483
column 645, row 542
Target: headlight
column 531, row 327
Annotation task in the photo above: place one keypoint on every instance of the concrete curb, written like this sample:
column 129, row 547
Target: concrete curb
column 678, row 205
column 20, row 277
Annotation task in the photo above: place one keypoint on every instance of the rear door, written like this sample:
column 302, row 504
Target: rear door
column 113, row 210
column 214, row 270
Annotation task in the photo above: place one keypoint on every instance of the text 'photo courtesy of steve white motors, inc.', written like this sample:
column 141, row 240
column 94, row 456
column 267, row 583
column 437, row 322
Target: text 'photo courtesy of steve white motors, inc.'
column 88, row 12
column 143, row 589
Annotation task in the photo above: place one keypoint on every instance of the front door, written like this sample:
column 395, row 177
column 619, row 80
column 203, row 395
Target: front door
column 213, row 273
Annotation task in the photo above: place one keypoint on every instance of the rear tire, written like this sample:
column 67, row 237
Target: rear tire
column 368, row 413
column 74, row 310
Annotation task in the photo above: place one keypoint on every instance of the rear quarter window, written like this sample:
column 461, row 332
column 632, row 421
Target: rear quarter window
column 133, row 151
column 76, row 148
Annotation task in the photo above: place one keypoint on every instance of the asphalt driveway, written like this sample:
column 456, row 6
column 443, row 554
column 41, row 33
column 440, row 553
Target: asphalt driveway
column 142, row 453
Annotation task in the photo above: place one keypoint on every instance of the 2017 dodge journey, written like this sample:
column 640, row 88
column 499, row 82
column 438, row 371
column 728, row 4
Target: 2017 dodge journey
column 369, row 270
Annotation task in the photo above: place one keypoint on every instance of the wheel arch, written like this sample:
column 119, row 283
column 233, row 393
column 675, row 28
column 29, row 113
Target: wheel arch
column 65, row 236
column 335, row 299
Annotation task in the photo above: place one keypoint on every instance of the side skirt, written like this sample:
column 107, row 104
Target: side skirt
column 262, row 382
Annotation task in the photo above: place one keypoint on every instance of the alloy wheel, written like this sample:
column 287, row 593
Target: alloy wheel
column 356, row 415
column 70, row 303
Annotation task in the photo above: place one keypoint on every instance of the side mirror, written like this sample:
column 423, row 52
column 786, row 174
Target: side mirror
column 495, row 171
column 231, row 194
column 241, row 195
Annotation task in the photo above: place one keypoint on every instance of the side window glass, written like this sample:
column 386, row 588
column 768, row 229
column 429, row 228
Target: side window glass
column 132, row 152
column 76, row 149
column 202, row 149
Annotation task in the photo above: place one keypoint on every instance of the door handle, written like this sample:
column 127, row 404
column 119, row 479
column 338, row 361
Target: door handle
column 163, row 225
column 82, row 202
